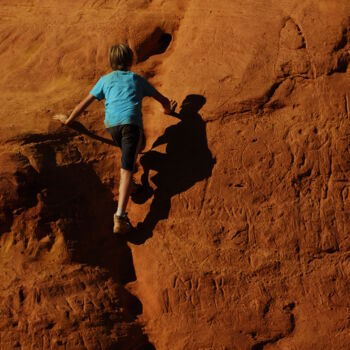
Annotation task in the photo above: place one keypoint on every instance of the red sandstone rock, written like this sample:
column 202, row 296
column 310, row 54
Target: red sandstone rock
column 242, row 238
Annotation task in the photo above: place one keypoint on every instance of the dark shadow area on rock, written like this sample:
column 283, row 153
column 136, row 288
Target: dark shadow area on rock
column 82, row 207
column 19, row 186
column 187, row 161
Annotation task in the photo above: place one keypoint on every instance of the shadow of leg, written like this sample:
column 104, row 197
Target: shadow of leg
column 159, row 210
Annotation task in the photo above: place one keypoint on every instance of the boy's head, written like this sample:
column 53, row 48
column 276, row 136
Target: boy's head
column 120, row 57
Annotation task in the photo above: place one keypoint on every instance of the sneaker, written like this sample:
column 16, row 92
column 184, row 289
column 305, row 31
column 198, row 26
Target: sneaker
column 122, row 224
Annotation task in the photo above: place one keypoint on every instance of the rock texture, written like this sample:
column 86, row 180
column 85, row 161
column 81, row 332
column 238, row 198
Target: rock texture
column 242, row 231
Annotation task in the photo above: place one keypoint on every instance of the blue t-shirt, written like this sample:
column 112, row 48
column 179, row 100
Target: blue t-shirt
column 123, row 92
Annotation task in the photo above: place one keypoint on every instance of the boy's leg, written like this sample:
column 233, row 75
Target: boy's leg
column 131, row 144
column 124, row 190
column 135, row 185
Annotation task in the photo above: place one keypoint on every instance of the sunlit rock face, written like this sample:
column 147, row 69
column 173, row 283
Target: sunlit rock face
column 241, row 236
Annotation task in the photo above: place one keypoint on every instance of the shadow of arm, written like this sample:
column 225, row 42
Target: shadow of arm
column 81, row 129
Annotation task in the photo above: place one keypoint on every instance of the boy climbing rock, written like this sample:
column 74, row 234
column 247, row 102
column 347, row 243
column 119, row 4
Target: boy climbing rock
column 123, row 92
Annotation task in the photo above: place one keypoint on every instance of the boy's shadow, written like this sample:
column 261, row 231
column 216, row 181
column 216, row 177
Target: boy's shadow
column 187, row 161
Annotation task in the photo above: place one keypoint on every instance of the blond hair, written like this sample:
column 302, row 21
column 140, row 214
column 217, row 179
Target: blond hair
column 120, row 57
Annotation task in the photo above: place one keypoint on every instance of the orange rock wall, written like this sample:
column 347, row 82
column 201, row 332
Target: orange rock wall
column 242, row 237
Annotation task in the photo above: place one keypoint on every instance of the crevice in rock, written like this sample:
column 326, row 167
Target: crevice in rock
column 257, row 105
column 261, row 344
column 341, row 65
column 155, row 44
column 345, row 38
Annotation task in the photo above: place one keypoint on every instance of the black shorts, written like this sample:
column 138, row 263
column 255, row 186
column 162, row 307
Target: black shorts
column 127, row 137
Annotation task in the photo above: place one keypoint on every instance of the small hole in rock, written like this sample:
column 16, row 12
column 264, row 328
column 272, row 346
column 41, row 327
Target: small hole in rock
column 164, row 42
column 156, row 43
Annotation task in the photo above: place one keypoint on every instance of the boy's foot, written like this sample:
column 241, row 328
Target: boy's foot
column 122, row 224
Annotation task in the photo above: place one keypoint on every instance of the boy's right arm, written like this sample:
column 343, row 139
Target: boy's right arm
column 79, row 108
column 168, row 105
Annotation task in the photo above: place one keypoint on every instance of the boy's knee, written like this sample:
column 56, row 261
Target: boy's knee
column 126, row 172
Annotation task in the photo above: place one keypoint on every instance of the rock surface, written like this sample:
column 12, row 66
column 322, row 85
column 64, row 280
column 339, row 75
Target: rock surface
column 242, row 238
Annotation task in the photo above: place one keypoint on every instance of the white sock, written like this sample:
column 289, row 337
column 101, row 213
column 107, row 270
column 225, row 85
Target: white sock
column 120, row 212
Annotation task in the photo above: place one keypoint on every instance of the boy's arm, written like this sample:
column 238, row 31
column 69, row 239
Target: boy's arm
column 168, row 105
column 79, row 108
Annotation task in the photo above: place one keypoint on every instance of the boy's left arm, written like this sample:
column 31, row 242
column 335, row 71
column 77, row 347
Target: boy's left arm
column 79, row 108
column 168, row 105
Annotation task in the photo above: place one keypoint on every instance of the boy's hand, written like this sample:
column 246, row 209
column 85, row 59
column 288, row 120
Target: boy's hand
column 61, row 118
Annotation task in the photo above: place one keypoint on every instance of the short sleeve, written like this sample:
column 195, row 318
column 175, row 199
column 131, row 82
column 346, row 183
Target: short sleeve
column 148, row 89
column 97, row 90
